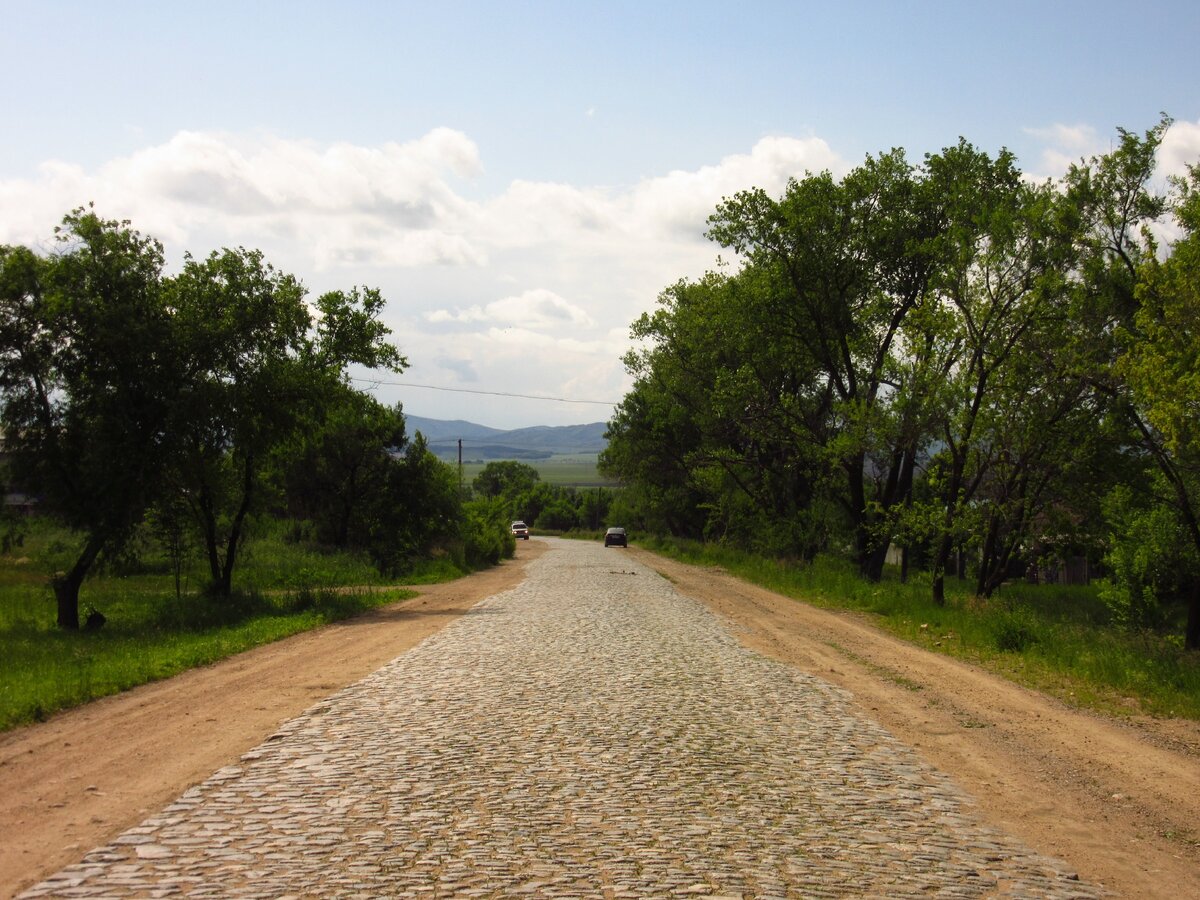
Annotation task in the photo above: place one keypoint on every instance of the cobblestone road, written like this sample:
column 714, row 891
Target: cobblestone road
column 591, row 733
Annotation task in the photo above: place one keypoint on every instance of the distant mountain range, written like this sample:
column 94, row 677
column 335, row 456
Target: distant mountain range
column 482, row 442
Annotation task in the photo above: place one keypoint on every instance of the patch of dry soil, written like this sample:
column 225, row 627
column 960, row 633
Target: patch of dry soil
column 1119, row 801
column 80, row 779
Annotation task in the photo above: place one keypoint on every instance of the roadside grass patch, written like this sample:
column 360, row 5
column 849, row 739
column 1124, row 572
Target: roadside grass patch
column 1058, row 639
column 283, row 588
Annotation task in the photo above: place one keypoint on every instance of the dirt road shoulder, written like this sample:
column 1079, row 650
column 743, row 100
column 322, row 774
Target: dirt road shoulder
column 74, row 782
column 1120, row 801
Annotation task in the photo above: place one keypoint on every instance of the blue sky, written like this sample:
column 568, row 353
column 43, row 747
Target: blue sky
column 522, row 179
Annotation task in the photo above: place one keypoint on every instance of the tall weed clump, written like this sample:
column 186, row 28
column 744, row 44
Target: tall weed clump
column 485, row 533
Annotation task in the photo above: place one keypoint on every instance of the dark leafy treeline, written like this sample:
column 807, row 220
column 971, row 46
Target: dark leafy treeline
column 942, row 357
column 519, row 490
column 189, row 404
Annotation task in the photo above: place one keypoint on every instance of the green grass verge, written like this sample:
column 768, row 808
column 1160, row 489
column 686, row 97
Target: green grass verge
column 565, row 470
column 282, row 589
column 1057, row 639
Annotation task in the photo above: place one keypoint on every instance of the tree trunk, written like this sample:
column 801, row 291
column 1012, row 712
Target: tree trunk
column 66, row 593
column 225, row 585
column 941, row 558
column 208, row 524
column 66, row 588
column 858, row 511
column 1191, row 640
column 987, row 559
column 873, row 565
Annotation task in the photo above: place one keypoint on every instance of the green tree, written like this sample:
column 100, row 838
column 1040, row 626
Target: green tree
column 1160, row 368
column 341, row 463
column 1001, row 283
column 417, row 508
column 1137, row 308
column 846, row 262
column 558, row 515
column 88, row 380
column 486, row 536
column 257, row 367
column 649, row 441
column 505, row 478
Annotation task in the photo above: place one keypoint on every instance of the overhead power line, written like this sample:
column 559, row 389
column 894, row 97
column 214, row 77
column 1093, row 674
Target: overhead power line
column 434, row 387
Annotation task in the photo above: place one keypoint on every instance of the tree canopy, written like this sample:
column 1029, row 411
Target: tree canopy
column 943, row 357
column 125, row 390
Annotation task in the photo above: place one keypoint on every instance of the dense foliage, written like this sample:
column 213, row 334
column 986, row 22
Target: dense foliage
column 517, row 491
column 943, row 359
column 186, row 406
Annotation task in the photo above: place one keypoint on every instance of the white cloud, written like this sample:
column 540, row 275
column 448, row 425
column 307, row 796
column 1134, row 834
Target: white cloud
column 682, row 201
column 674, row 206
column 1066, row 145
column 530, row 290
column 1062, row 147
column 1080, row 138
column 463, row 368
column 338, row 205
column 1180, row 147
column 536, row 310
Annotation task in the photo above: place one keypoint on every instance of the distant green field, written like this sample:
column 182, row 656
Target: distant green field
column 569, row 470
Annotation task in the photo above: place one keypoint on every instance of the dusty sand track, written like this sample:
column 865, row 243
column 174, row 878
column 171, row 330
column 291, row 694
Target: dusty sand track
column 1121, row 802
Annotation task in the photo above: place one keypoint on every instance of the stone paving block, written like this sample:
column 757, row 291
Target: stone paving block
column 586, row 734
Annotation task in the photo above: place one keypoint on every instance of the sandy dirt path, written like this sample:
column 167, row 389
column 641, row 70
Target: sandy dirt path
column 72, row 783
column 1119, row 801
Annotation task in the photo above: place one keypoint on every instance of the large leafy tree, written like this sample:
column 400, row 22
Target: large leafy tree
column 340, row 464
column 257, row 367
column 505, row 478
column 999, row 280
column 1135, row 311
column 88, row 374
column 848, row 261
column 958, row 357
column 419, row 509
column 1160, row 368
column 722, row 416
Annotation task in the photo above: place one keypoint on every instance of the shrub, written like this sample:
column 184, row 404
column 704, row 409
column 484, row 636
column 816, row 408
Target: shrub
column 1014, row 631
column 486, row 536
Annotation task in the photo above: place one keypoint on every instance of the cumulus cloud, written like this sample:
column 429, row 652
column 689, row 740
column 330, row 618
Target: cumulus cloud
column 681, row 201
column 534, row 310
column 390, row 205
column 534, row 285
column 394, row 205
column 674, row 206
column 1080, row 138
column 1180, row 146
column 1063, row 146
column 463, row 368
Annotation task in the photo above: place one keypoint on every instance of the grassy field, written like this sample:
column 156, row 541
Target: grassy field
column 283, row 588
column 567, row 470
column 1057, row 639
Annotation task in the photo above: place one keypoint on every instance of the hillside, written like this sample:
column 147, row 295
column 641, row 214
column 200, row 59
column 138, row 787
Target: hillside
column 482, row 442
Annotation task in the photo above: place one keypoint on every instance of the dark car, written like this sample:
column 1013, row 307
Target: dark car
column 615, row 537
column 520, row 530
